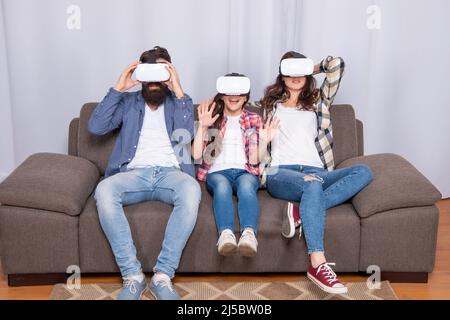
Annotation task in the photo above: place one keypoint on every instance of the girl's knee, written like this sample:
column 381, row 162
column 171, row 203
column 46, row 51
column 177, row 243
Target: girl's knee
column 248, row 183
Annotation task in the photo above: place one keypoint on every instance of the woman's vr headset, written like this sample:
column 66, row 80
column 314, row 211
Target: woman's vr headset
column 151, row 72
column 233, row 85
column 296, row 67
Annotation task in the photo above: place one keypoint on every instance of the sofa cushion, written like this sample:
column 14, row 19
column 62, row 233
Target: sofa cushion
column 148, row 221
column 396, row 184
column 52, row 182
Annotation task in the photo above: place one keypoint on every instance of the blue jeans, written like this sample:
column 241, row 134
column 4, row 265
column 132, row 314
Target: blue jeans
column 222, row 185
column 165, row 184
column 326, row 190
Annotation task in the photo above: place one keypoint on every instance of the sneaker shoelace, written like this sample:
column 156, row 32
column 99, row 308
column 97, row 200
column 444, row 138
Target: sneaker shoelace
column 329, row 274
column 165, row 283
column 300, row 231
column 298, row 224
column 248, row 235
column 131, row 285
column 226, row 236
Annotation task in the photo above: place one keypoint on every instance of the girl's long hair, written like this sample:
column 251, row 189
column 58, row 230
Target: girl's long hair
column 278, row 91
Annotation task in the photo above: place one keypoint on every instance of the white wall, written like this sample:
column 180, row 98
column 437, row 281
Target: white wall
column 396, row 77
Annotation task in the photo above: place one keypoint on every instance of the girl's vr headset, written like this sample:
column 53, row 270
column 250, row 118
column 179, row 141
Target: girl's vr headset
column 296, row 67
column 233, row 85
column 151, row 72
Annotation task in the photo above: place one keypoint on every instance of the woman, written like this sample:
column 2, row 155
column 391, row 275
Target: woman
column 301, row 159
column 230, row 165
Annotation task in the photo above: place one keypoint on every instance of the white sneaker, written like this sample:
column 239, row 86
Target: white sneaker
column 227, row 243
column 248, row 244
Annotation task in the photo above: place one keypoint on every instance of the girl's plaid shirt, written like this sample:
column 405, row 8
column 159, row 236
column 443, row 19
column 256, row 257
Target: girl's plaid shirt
column 250, row 125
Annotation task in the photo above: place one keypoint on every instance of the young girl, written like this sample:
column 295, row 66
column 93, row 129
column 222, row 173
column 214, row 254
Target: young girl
column 301, row 159
column 230, row 165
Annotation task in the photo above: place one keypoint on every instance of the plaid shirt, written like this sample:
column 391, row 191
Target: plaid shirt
column 250, row 124
column 334, row 70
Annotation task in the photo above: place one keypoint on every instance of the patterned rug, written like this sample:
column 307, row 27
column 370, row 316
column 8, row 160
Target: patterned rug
column 302, row 290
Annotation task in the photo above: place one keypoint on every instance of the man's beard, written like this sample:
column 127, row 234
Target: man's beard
column 154, row 97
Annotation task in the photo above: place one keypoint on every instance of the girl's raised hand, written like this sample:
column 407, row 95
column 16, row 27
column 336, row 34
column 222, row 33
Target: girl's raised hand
column 205, row 113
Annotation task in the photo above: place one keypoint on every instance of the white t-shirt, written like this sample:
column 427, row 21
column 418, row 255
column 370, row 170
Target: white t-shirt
column 295, row 141
column 154, row 147
column 233, row 152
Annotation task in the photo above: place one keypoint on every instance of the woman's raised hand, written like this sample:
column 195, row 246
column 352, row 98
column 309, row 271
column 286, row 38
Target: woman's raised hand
column 270, row 129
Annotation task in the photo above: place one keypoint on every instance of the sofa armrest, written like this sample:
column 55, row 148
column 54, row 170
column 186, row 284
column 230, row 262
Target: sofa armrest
column 52, row 182
column 396, row 184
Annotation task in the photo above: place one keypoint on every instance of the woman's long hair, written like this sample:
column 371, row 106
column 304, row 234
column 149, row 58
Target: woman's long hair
column 219, row 109
column 278, row 91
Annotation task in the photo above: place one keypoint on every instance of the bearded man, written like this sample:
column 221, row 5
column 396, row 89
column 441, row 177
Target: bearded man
column 150, row 162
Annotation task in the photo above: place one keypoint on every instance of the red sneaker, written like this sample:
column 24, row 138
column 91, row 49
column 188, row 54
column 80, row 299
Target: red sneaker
column 325, row 278
column 291, row 220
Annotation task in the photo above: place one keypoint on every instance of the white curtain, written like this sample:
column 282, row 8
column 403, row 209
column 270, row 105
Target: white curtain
column 397, row 54
column 7, row 162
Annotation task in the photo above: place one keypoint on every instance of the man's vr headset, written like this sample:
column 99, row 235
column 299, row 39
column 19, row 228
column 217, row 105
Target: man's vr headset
column 296, row 67
column 233, row 85
column 151, row 72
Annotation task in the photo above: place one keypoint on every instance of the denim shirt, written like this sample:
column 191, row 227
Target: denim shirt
column 126, row 110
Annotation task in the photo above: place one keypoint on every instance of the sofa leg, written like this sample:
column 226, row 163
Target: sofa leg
column 36, row 279
column 405, row 277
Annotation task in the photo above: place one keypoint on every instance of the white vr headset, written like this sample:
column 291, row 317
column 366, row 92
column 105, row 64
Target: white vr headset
column 297, row 67
column 151, row 72
column 233, row 86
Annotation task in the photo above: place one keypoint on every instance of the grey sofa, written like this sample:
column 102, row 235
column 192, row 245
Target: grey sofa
column 48, row 217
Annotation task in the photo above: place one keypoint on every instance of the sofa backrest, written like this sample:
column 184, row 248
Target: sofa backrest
column 96, row 149
column 347, row 136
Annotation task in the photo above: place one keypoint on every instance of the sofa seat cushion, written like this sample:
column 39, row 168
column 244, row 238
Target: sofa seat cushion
column 52, row 182
column 396, row 184
column 275, row 254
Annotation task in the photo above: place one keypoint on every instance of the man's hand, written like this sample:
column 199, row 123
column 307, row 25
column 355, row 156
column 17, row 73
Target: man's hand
column 174, row 82
column 125, row 82
column 205, row 112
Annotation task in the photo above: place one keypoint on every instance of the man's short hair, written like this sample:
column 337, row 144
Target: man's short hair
column 152, row 55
